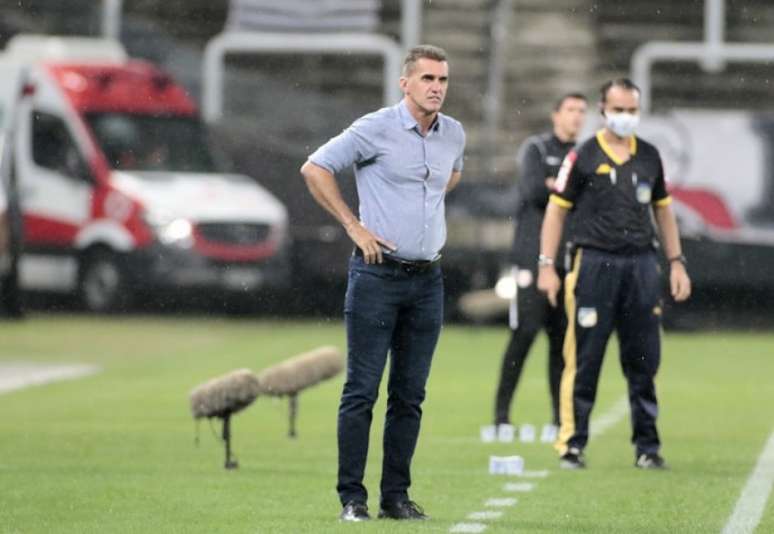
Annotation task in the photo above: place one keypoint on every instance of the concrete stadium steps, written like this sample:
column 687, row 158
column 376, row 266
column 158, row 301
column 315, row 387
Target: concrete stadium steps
column 551, row 51
column 47, row 16
column 461, row 28
column 537, row 70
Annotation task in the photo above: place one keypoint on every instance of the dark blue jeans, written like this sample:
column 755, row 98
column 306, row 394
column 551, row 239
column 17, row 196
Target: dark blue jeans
column 387, row 310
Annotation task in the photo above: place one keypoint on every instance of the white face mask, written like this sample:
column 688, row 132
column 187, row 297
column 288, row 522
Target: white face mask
column 622, row 124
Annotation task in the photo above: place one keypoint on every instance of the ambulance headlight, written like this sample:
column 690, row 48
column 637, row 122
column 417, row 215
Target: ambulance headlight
column 176, row 232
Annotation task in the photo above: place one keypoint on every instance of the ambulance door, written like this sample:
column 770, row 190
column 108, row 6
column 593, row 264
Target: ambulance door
column 56, row 187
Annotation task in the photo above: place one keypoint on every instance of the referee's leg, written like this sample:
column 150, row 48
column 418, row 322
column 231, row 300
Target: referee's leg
column 639, row 334
column 590, row 291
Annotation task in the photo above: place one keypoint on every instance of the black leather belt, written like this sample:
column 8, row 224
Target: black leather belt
column 409, row 266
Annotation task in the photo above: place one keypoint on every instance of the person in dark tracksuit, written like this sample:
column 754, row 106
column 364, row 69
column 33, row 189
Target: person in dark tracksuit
column 539, row 158
column 614, row 185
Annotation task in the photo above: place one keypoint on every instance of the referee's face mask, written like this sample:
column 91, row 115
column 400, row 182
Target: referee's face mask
column 623, row 123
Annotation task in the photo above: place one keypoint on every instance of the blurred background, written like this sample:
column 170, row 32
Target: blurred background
column 237, row 93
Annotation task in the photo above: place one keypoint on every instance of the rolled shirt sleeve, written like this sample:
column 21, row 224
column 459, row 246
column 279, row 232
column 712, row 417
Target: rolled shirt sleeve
column 350, row 147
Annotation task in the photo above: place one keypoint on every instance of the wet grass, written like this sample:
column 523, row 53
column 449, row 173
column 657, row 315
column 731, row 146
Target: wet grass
column 115, row 452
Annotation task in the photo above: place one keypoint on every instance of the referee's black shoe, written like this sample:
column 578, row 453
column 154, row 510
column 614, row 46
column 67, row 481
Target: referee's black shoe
column 650, row 461
column 402, row 510
column 354, row 511
column 572, row 459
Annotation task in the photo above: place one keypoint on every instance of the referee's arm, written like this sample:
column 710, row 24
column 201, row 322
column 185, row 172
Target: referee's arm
column 550, row 235
column 679, row 282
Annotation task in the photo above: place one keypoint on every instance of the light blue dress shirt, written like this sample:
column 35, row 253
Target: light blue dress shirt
column 401, row 176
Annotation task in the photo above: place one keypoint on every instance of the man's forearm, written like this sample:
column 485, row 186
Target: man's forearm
column 551, row 231
column 670, row 237
column 455, row 178
column 323, row 187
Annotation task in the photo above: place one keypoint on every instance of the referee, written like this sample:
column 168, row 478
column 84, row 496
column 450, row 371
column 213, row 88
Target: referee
column 539, row 158
column 613, row 183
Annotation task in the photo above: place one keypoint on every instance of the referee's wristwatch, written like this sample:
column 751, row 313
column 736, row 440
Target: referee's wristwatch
column 545, row 261
column 679, row 258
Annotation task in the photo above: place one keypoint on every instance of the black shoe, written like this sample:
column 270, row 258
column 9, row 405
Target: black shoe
column 354, row 511
column 650, row 460
column 402, row 510
column 572, row 459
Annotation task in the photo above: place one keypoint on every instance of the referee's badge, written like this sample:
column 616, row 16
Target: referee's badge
column 644, row 193
column 587, row 317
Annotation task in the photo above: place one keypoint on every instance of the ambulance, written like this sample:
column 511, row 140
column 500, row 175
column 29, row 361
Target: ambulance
column 120, row 195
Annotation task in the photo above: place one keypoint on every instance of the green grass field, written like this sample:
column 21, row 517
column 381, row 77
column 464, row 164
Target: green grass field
column 115, row 452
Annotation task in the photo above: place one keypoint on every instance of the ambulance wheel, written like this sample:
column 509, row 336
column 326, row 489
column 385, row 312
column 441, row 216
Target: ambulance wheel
column 103, row 283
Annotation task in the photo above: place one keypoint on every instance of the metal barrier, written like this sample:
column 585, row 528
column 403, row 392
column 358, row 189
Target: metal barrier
column 712, row 53
column 285, row 43
column 111, row 18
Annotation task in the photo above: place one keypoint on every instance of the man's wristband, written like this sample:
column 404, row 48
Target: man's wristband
column 679, row 258
column 545, row 261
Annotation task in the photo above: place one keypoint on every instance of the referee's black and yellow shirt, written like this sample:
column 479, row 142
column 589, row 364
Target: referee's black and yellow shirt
column 611, row 199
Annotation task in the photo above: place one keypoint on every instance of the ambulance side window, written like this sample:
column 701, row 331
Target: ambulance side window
column 54, row 148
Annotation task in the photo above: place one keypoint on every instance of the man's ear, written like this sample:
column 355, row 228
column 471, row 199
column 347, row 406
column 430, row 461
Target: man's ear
column 402, row 82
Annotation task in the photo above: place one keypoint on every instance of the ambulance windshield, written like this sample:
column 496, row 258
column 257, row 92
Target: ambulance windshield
column 133, row 142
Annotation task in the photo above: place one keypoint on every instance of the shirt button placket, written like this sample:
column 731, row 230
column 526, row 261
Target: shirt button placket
column 428, row 170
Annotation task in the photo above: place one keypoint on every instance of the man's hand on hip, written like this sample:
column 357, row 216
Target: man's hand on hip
column 549, row 283
column 370, row 244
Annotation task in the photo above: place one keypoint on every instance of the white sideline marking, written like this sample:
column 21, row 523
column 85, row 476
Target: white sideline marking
column 484, row 516
column 468, row 527
column 749, row 508
column 19, row 375
column 597, row 426
column 501, row 502
column 535, row 474
column 519, row 486
column 600, row 425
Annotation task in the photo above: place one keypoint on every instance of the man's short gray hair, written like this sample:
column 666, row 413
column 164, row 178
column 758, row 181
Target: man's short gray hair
column 422, row 51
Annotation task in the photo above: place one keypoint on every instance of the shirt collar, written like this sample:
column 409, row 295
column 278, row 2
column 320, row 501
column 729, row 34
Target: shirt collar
column 563, row 143
column 410, row 123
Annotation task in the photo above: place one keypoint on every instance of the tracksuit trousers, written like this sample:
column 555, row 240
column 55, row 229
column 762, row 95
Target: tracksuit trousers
column 606, row 292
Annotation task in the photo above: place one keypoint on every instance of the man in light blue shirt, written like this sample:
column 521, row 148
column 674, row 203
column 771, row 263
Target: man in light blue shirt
column 406, row 158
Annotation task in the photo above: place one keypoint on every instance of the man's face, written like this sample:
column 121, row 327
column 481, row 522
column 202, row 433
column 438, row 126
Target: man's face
column 570, row 116
column 621, row 100
column 426, row 85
